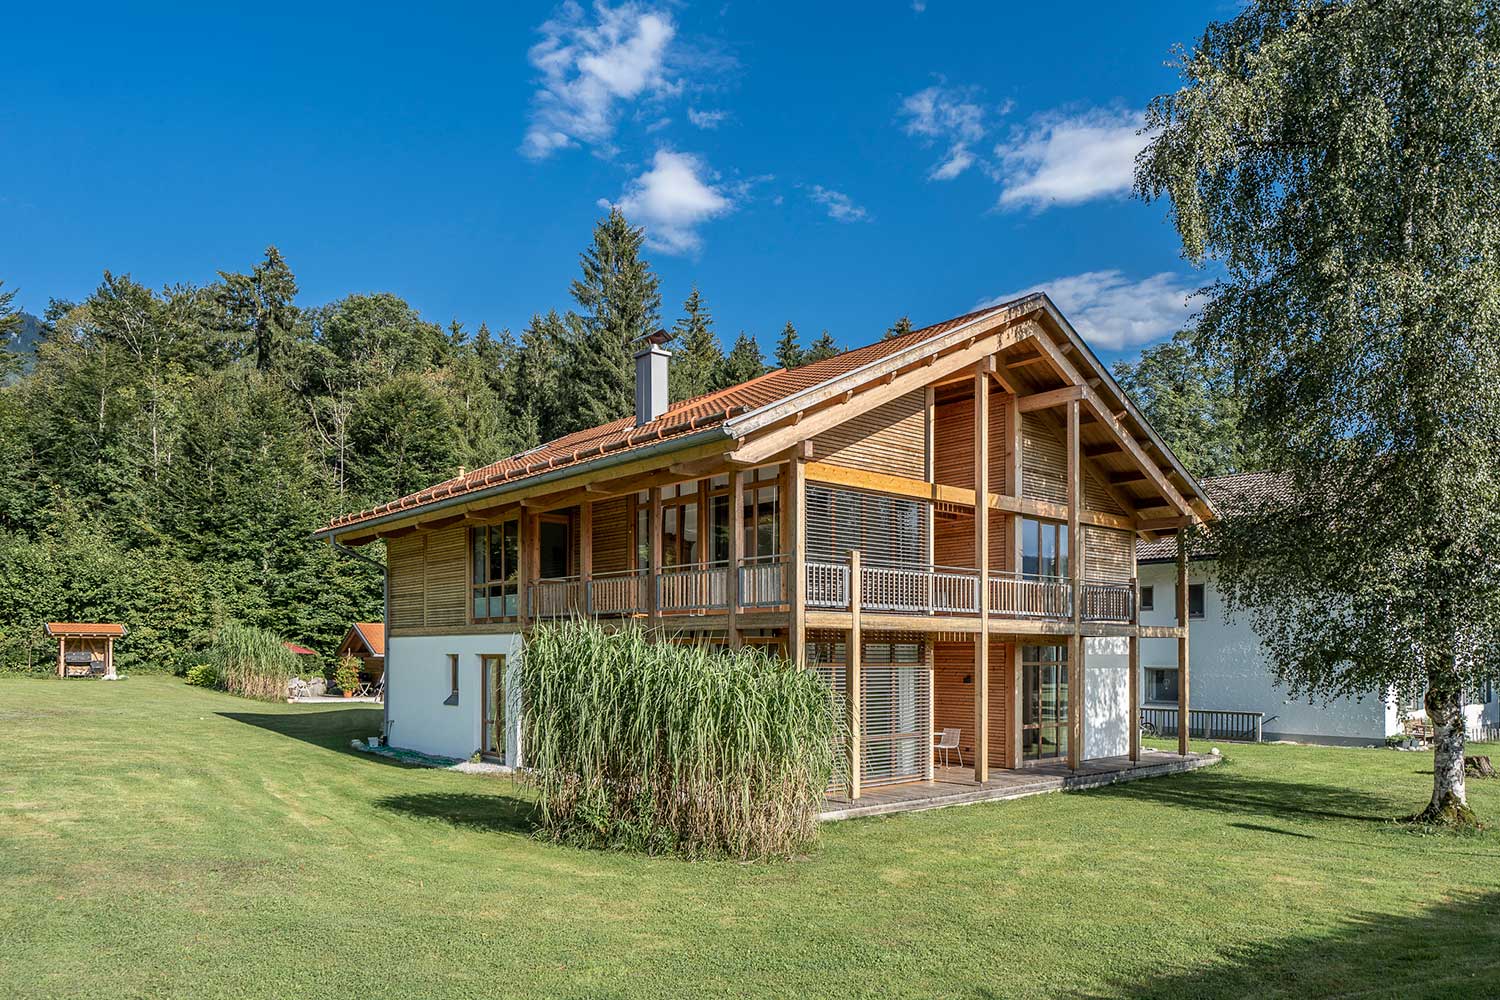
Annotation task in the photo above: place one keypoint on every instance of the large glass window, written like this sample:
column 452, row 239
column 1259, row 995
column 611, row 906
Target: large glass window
column 495, row 560
column 762, row 512
column 1044, row 549
column 695, row 520
column 555, row 553
column 1045, row 721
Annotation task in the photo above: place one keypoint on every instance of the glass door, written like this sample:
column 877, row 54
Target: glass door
column 494, row 705
column 1045, row 722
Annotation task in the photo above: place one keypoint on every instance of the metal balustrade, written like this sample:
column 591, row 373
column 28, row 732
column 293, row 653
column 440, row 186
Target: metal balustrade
column 763, row 581
column 1108, row 601
column 557, row 597
column 693, row 587
column 1016, row 595
column 907, row 589
column 827, row 585
column 1207, row 723
column 611, row 594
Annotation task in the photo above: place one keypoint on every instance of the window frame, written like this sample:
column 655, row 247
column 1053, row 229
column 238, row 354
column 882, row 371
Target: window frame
column 1037, row 529
column 1148, row 597
column 489, row 586
column 1199, row 590
column 452, row 698
column 1156, row 674
column 1060, row 724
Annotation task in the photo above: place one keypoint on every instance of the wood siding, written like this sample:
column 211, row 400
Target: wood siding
column 953, row 541
column 612, row 536
column 1097, row 497
column 891, row 438
column 1044, row 459
column 429, row 579
column 1108, row 554
column 953, row 442
column 953, row 695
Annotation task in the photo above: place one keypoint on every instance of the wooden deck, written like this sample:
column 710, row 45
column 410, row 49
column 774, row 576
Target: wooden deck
column 953, row 786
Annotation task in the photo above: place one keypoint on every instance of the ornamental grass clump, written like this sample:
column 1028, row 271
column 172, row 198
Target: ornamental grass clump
column 666, row 748
column 252, row 662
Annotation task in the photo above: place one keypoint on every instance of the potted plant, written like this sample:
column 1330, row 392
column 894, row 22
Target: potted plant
column 346, row 675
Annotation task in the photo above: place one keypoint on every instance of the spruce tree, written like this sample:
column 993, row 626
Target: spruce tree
column 789, row 353
column 743, row 363
column 258, row 307
column 697, row 357
column 900, row 328
column 822, row 349
column 619, row 302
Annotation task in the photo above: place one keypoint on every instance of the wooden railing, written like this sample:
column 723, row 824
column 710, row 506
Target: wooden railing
column 1015, row 595
column 1207, row 724
column 618, row 593
column 1108, row 602
column 693, row 587
column 557, row 597
column 763, row 581
column 827, row 585
column 910, row 589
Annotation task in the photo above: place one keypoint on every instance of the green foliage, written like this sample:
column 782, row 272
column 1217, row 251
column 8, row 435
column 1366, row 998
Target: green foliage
column 697, row 357
column 252, row 662
column 821, row 350
column 789, row 353
column 660, row 747
column 743, row 363
column 204, row 675
column 1338, row 160
column 900, row 328
column 346, row 673
column 402, row 438
column 1189, row 397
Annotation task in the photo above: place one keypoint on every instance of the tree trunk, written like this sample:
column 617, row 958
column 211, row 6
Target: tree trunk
column 1450, row 802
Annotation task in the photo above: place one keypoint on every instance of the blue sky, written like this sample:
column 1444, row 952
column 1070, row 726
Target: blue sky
column 836, row 166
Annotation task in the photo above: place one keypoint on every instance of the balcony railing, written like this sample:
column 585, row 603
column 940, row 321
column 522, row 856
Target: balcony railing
column 1108, row 602
column 613, row 594
column 1016, row 595
column 693, row 587
column 916, row 589
column 827, row 584
column 763, row 581
column 557, row 597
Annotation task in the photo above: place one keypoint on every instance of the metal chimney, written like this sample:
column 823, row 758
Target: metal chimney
column 651, row 377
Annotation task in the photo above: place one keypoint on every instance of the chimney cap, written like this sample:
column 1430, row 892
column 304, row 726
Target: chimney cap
column 658, row 338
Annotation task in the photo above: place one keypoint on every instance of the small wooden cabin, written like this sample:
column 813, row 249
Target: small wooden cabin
column 85, row 649
column 365, row 641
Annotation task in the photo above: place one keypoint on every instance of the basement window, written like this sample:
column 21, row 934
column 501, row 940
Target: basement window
column 452, row 699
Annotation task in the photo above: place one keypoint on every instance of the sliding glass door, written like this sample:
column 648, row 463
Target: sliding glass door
column 1045, row 705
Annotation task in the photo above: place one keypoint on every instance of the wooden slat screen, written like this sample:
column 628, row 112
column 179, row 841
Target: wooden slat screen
column 891, row 438
column 612, row 536
column 404, row 564
column 1109, row 555
column 953, row 442
column 446, row 591
column 1044, row 460
column 1096, row 497
column 953, row 695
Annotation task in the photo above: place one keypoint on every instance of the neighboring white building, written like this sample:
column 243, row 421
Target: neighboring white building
column 1230, row 670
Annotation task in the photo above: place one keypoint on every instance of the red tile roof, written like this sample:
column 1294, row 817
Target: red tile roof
column 85, row 629
column 681, row 419
column 373, row 634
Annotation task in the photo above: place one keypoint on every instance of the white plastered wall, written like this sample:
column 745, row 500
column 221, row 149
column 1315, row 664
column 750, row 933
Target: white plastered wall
column 419, row 687
column 1106, row 698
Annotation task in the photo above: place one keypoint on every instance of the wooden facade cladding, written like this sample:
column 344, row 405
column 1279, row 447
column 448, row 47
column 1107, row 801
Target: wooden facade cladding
column 953, row 441
column 429, row 579
column 1109, row 555
column 953, row 696
column 891, row 438
column 612, row 536
column 953, row 541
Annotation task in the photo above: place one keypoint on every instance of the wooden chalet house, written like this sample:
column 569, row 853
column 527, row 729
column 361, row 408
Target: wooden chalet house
column 828, row 511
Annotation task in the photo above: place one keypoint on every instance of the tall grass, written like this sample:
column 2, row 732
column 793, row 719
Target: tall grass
column 667, row 748
column 252, row 662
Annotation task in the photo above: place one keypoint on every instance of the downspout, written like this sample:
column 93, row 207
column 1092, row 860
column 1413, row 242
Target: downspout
column 385, row 628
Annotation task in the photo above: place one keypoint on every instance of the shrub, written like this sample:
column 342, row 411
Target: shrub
column 204, row 675
column 252, row 662
column 673, row 748
column 346, row 674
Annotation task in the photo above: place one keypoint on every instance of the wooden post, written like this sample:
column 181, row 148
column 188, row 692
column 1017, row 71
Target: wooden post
column 62, row 642
column 982, row 561
column 1075, row 574
column 1182, row 642
column 928, row 658
column 797, row 561
column 1135, row 672
column 109, row 658
column 523, row 569
column 736, row 555
column 1017, row 689
column 586, row 555
column 1012, row 447
column 853, row 690
column 653, row 559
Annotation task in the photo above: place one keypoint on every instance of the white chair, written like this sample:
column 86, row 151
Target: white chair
column 949, row 741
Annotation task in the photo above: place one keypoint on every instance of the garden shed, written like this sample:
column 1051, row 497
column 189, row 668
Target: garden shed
column 86, row 649
column 365, row 641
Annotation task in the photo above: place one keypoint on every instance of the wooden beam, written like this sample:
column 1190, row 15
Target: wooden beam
column 586, row 550
column 736, row 553
column 1183, row 711
column 523, row 572
column 1134, row 681
column 1052, row 397
column 853, row 685
column 1075, row 574
column 982, row 561
column 1015, row 714
column 1122, row 478
column 1076, row 644
column 797, row 563
column 653, row 558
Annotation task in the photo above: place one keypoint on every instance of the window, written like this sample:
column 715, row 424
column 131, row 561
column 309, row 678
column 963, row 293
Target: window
column 695, row 519
column 763, row 512
column 452, row 699
column 1044, row 549
column 1148, row 598
column 1045, row 722
column 494, row 704
column 1195, row 600
column 494, row 556
column 1161, row 684
column 554, row 535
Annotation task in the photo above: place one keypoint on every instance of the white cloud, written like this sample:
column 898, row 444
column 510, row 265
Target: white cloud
column 1068, row 159
column 840, row 207
column 707, row 119
column 950, row 116
column 919, row 5
column 672, row 199
column 587, row 65
column 1111, row 311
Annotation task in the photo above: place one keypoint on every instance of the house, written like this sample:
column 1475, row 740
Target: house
column 827, row 511
column 365, row 641
column 1231, row 673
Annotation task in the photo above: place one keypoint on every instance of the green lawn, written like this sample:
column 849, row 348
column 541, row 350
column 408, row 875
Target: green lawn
column 159, row 840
